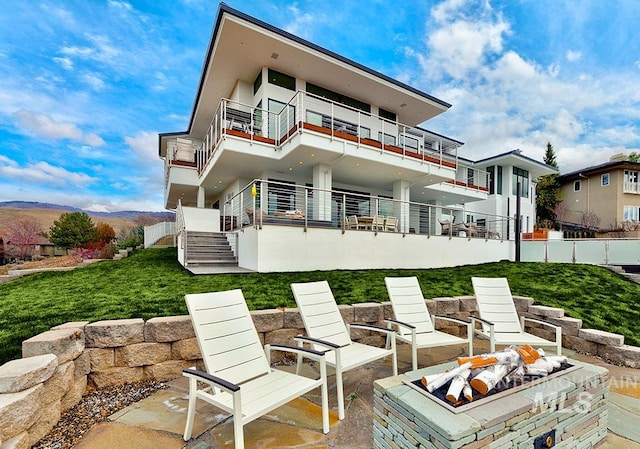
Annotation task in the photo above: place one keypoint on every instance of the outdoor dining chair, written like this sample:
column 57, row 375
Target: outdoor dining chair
column 326, row 330
column 238, row 375
column 499, row 318
column 413, row 323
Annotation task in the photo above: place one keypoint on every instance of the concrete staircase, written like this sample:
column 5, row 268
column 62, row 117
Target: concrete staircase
column 630, row 272
column 209, row 249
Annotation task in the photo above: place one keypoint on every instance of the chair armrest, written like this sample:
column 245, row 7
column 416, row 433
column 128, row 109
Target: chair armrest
column 308, row 352
column 400, row 323
column 373, row 328
column 316, row 341
column 544, row 323
column 208, row 378
column 487, row 322
column 455, row 320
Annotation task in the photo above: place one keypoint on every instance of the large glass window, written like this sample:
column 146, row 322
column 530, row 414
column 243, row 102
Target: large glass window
column 387, row 114
column 282, row 79
column 337, row 97
column 491, row 179
column 257, row 82
column 499, row 181
column 520, row 176
column 280, row 197
column 470, row 176
column 286, row 119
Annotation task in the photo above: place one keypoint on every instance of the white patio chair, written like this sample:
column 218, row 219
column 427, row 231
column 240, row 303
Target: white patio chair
column 378, row 223
column 238, row 373
column 413, row 323
column 391, row 224
column 326, row 329
column 500, row 322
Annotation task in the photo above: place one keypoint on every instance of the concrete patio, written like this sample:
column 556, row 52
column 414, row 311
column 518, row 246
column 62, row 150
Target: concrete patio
column 158, row 421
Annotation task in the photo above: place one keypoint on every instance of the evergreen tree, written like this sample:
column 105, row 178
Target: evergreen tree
column 548, row 190
column 73, row 230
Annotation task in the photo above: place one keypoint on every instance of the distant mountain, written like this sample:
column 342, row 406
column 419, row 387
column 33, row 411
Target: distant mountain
column 124, row 214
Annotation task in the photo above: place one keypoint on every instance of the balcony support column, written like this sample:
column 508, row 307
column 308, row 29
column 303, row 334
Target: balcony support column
column 402, row 192
column 201, row 197
column 322, row 179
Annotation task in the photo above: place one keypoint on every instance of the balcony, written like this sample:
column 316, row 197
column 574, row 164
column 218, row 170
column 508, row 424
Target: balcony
column 264, row 202
column 308, row 113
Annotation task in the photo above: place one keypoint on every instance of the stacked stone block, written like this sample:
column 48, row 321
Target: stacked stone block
column 59, row 364
column 573, row 404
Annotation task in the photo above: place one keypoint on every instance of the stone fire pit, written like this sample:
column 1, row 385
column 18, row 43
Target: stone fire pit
column 566, row 410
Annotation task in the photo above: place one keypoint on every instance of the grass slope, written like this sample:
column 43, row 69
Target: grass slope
column 151, row 283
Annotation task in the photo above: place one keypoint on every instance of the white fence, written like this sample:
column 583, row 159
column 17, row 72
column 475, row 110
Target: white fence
column 157, row 231
column 595, row 251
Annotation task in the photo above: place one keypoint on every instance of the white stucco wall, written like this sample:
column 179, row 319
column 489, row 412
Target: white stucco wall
column 284, row 248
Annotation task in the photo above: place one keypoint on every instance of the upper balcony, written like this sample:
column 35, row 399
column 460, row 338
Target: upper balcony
column 308, row 113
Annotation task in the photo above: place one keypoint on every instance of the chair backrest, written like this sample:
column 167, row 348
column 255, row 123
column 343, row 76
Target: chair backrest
column 495, row 304
column 227, row 337
column 378, row 221
column 408, row 303
column 391, row 222
column 320, row 313
column 352, row 220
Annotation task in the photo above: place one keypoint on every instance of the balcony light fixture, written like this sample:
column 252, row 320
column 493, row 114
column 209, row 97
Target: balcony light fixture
column 274, row 55
column 403, row 105
column 290, row 168
column 300, row 162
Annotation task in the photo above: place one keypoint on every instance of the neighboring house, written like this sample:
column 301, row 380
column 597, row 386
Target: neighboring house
column 292, row 148
column 505, row 172
column 609, row 191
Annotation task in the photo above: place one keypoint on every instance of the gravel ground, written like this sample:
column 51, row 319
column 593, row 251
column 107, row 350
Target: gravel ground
column 95, row 407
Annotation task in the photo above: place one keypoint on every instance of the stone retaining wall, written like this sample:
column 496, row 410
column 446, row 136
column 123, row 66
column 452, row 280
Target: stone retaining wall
column 58, row 365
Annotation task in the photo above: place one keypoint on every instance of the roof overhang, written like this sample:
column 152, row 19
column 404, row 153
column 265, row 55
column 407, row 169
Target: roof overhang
column 241, row 45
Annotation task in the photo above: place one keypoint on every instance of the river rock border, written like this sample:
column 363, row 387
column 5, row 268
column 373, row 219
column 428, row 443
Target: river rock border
column 60, row 364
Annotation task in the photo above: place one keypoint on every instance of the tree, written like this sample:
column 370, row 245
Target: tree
column 548, row 190
column 73, row 230
column 22, row 237
column 105, row 233
column 634, row 157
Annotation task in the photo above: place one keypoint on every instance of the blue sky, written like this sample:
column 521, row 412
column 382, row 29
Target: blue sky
column 86, row 85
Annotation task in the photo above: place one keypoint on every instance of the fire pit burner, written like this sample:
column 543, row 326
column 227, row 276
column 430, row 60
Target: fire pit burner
column 502, row 389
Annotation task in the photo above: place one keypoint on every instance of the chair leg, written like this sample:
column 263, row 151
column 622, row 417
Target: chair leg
column 325, row 398
column 414, row 357
column 191, row 410
column 238, row 421
column 340, row 393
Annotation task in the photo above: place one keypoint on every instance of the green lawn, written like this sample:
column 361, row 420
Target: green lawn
column 151, row 283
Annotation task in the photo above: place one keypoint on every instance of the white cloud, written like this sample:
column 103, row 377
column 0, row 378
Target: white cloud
column 301, row 24
column 573, row 56
column 43, row 173
column 94, row 81
column 43, row 125
column 65, row 63
column 145, row 145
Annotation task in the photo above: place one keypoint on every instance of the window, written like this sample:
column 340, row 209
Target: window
column 281, row 79
column 491, row 179
column 470, row 176
column 257, row 83
column 631, row 213
column 338, row 98
column 287, row 118
column 499, row 181
column 520, row 176
column 604, row 179
column 387, row 114
column 577, row 186
column 631, row 184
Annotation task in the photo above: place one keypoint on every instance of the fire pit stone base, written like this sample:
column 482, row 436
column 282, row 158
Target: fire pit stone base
column 572, row 407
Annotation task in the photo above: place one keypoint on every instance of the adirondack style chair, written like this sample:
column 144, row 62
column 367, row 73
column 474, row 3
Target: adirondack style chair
column 326, row 330
column 412, row 321
column 238, row 373
column 499, row 319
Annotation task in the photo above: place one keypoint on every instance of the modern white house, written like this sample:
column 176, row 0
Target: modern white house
column 297, row 158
